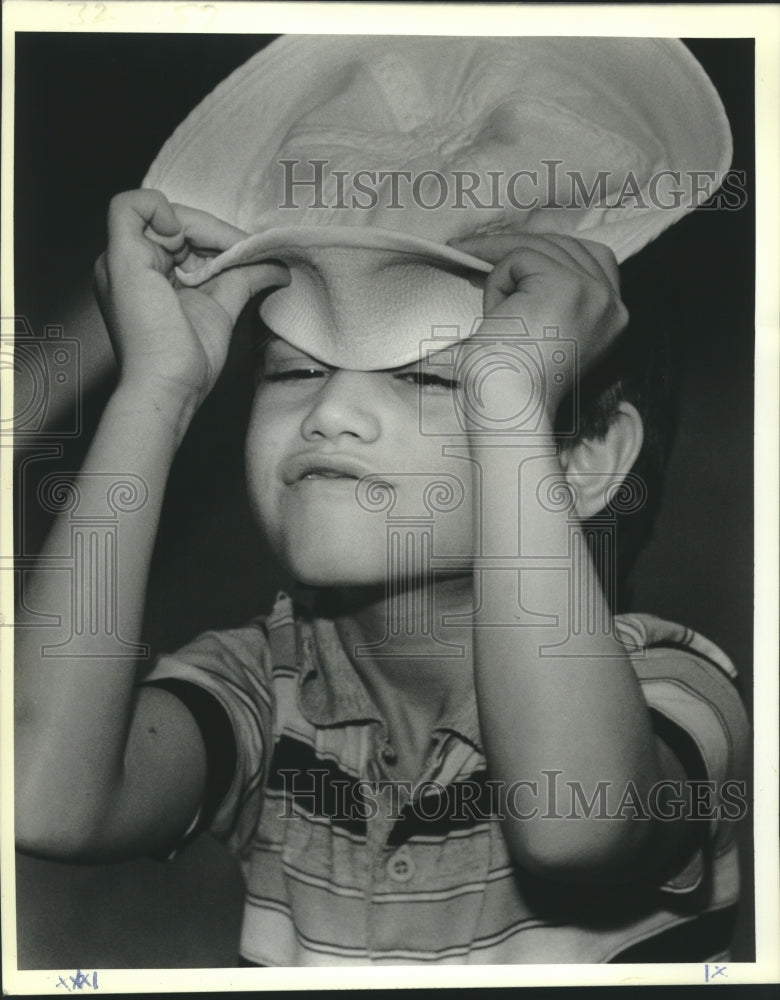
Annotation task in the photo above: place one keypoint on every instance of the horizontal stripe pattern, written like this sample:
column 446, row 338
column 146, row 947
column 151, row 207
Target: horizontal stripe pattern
column 330, row 883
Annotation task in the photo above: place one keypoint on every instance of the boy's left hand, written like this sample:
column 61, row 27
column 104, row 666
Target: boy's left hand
column 548, row 281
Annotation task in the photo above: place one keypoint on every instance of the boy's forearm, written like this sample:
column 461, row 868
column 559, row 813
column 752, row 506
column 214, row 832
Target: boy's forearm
column 578, row 710
column 73, row 712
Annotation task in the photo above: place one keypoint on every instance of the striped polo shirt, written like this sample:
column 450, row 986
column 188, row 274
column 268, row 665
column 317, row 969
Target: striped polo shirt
column 344, row 867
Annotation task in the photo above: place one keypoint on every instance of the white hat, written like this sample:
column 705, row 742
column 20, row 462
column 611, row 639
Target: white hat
column 608, row 139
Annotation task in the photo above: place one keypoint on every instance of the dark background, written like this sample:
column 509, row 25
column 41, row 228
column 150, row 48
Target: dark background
column 91, row 113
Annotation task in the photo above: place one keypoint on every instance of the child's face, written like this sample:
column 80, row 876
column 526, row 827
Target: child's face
column 315, row 431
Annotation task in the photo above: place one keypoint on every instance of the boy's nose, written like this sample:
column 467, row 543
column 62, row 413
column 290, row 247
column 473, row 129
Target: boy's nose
column 346, row 404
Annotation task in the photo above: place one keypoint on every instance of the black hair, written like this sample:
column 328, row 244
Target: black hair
column 638, row 370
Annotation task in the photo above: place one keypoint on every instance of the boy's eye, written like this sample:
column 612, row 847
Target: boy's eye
column 427, row 379
column 293, row 374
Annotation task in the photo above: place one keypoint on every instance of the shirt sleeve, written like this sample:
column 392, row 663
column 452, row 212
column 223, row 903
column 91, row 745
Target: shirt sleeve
column 232, row 669
column 690, row 686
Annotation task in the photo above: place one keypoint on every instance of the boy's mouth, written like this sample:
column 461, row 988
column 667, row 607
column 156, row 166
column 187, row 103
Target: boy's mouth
column 308, row 467
column 326, row 474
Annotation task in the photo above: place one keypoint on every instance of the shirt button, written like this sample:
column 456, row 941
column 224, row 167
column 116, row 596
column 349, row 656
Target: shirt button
column 401, row 867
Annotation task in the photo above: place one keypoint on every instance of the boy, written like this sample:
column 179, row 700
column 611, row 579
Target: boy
column 331, row 738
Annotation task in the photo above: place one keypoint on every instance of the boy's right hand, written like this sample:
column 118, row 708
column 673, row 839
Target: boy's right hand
column 166, row 335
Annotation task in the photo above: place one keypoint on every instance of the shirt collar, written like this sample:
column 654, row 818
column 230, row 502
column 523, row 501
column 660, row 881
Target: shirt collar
column 331, row 693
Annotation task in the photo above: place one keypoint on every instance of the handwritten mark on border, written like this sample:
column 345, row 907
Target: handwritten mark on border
column 79, row 981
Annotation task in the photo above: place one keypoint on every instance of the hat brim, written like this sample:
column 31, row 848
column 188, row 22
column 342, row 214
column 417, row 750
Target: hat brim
column 282, row 243
column 364, row 298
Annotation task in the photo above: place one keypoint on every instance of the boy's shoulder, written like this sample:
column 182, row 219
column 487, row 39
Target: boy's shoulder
column 276, row 640
column 645, row 634
column 245, row 657
column 692, row 689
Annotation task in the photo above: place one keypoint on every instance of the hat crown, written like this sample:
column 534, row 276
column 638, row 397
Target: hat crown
column 497, row 109
column 441, row 138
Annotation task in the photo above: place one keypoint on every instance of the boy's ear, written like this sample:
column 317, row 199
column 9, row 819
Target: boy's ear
column 595, row 466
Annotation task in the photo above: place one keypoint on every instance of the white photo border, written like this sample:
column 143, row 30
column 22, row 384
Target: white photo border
column 762, row 23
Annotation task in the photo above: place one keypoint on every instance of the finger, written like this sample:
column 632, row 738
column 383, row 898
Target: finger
column 516, row 273
column 138, row 218
column 132, row 217
column 563, row 249
column 206, row 231
column 233, row 288
column 569, row 252
column 594, row 257
column 519, row 270
column 604, row 257
column 133, row 211
column 200, row 235
column 175, row 245
column 576, row 253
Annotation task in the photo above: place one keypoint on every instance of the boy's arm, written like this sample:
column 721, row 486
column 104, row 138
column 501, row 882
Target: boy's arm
column 104, row 768
column 581, row 714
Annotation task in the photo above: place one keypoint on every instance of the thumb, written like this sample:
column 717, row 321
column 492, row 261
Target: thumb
column 234, row 287
column 205, row 231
